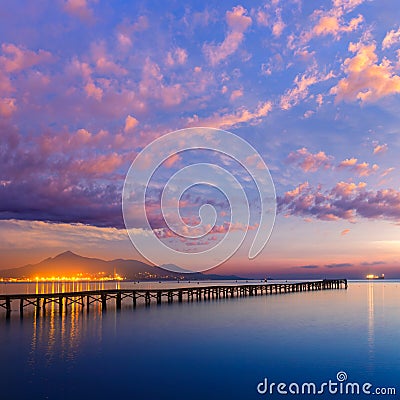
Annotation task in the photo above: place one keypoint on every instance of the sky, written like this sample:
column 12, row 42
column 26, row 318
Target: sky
column 314, row 87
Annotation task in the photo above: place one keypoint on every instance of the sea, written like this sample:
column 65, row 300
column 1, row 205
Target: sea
column 296, row 345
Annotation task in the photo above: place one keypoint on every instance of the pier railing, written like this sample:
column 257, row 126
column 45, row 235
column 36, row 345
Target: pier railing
column 85, row 299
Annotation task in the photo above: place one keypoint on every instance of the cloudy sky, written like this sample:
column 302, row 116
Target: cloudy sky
column 312, row 86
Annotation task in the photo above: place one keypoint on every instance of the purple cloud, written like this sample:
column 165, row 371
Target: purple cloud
column 344, row 201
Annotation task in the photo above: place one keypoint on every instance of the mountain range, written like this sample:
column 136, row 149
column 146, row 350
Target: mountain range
column 71, row 264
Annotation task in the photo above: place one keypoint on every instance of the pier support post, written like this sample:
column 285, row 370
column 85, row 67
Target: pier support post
column 103, row 302
column 147, row 298
column 60, row 304
column 134, row 299
column 8, row 307
column 118, row 301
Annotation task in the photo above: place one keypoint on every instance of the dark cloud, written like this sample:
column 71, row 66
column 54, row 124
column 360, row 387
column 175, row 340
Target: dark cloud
column 309, row 266
column 57, row 186
column 341, row 265
column 366, row 263
column 48, row 201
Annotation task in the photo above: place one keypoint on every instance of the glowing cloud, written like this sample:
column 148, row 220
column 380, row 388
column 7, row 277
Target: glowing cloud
column 366, row 80
column 362, row 169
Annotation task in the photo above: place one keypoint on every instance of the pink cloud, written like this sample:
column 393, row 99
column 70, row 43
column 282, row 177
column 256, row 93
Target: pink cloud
column 308, row 114
column 228, row 120
column 152, row 85
column 380, row 148
column 270, row 15
column 125, row 31
column 227, row 227
column 105, row 66
column 79, row 8
column 278, row 26
column 93, row 91
column 387, row 172
column 172, row 160
column 103, row 62
column 349, row 162
column 294, row 96
column 7, row 106
column 366, row 80
column 330, row 22
column 309, row 162
column 262, row 17
column 254, row 161
column 346, row 189
column 15, row 59
column 130, row 123
column 97, row 166
column 344, row 232
column 176, row 57
column 275, row 63
column 87, row 93
column 236, row 94
column 391, row 38
column 212, row 235
column 5, row 83
column 347, row 5
column 333, row 25
column 79, row 68
column 238, row 22
column 73, row 142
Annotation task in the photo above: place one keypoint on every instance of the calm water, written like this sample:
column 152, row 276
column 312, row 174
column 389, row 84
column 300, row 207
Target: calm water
column 206, row 350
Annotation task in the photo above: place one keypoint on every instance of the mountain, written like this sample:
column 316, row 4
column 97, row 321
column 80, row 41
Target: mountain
column 71, row 264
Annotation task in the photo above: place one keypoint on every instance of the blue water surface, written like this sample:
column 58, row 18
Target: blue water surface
column 214, row 349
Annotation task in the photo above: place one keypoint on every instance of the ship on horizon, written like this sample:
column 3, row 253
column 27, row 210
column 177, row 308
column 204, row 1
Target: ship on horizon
column 372, row 276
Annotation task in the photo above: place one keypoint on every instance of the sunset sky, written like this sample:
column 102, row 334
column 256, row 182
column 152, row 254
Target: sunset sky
column 314, row 87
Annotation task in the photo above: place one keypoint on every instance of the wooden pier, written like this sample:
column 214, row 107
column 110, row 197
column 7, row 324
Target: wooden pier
column 147, row 296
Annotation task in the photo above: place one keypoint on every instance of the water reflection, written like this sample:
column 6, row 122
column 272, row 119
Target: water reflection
column 371, row 327
column 58, row 337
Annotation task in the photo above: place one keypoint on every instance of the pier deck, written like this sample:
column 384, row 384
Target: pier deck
column 147, row 296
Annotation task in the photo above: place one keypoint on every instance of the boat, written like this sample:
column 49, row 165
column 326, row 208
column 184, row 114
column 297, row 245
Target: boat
column 372, row 276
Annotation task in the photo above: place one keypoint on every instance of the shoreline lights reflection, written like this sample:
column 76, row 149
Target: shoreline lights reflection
column 76, row 278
